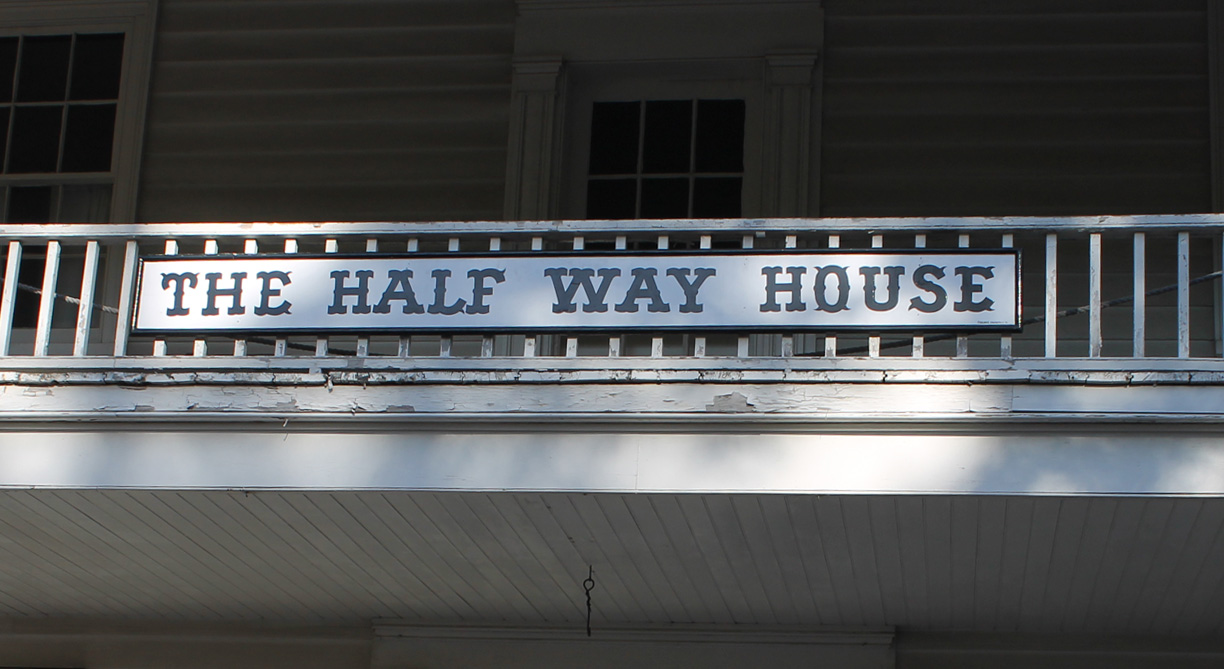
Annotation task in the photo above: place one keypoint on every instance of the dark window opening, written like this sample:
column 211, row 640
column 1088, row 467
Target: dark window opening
column 43, row 74
column 8, row 65
column 614, row 137
column 30, row 204
column 667, row 136
column 88, row 138
column 58, row 101
column 666, row 159
column 39, row 75
column 36, row 139
column 25, row 304
column 66, row 203
column 96, row 65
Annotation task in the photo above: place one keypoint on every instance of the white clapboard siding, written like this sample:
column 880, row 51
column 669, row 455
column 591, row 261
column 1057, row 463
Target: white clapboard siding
column 957, row 107
column 298, row 110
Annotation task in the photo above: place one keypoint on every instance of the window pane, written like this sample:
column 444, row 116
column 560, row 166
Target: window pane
column 720, row 136
column 8, row 65
column 44, row 68
column 35, row 139
column 30, row 204
column 611, row 198
column 25, row 307
column 4, row 122
column 87, row 142
column 664, row 198
column 665, row 143
column 614, row 137
column 96, row 65
column 85, row 204
column 717, row 197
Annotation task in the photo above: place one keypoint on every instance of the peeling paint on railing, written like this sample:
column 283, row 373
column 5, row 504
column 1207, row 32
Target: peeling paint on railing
column 608, row 377
column 1111, row 288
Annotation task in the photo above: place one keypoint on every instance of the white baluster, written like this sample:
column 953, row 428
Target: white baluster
column 8, row 298
column 1183, row 294
column 1051, row 297
column 89, row 278
column 1094, row 295
column 1139, row 290
column 127, row 292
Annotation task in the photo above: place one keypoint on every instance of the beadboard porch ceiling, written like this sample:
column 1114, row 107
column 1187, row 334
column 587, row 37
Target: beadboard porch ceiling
column 1127, row 565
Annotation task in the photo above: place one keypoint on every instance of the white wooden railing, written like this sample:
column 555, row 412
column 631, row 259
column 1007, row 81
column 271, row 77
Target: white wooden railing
column 1120, row 288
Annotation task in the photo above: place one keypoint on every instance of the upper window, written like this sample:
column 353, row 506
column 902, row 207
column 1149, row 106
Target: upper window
column 73, row 90
column 666, row 159
column 58, row 100
column 662, row 142
column 668, row 109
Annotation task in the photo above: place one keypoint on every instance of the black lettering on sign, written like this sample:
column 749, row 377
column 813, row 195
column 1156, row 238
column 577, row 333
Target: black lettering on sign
column 234, row 293
column 399, row 288
column 773, row 287
column 580, row 277
column 480, row 290
column 180, row 282
column 869, row 287
column 439, row 305
column 922, row 279
column 267, row 292
column 340, row 291
column 822, row 289
column 643, row 287
column 690, row 288
column 970, row 287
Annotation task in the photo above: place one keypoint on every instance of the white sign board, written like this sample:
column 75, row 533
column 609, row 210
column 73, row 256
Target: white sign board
column 819, row 291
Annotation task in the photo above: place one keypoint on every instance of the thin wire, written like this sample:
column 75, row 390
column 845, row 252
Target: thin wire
column 67, row 298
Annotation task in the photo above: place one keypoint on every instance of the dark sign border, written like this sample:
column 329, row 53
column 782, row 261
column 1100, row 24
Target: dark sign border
column 764, row 329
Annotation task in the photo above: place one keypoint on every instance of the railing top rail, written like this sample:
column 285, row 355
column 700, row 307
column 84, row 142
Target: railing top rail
column 121, row 231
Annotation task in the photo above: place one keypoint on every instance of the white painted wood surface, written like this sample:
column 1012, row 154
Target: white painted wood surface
column 127, row 298
column 85, row 307
column 1183, row 294
column 1051, row 295
column 1094, row 295
column 681, row 398
column 46, row 298
column 1138, row 290
column 1163, row 338
column 1072, row 566
column 8, row 294
column 1013, row 224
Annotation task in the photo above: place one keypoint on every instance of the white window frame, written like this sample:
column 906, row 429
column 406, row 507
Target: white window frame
column 136, row 20
column 570, row 53
column 688, row 81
